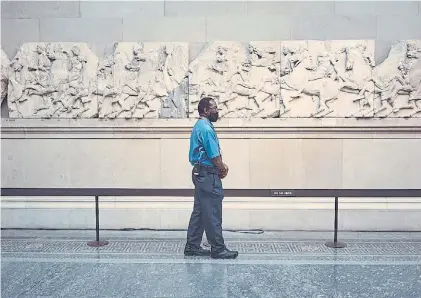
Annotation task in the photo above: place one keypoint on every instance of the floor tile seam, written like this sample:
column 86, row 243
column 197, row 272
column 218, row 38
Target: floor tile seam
column 110, row 254
column 324, row 252
column 217, row 262
column 52, row 240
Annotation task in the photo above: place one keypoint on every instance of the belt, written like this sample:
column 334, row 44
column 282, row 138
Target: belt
column 206, row 168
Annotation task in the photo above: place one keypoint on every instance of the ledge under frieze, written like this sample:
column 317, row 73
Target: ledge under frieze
column 241, row 128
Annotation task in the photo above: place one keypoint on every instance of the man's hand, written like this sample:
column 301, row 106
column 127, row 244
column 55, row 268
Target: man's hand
column 221, row 166
column 224, row 172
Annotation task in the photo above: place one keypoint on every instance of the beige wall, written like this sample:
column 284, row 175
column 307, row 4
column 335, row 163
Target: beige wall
column 292, row 153
column 261, row 154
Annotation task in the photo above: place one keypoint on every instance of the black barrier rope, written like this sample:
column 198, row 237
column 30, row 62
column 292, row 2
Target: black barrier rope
column 230, row 192
column 251, row 231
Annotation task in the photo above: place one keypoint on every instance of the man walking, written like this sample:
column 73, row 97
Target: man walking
column 208, row 170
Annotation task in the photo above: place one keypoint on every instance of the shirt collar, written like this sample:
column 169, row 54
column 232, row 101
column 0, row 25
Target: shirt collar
column 207, row 121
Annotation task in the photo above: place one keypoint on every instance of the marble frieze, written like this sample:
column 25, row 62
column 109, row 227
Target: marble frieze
column 4, row 72
column 52, row 80
column 242, row 77
column 144, row 80
column 256, row 79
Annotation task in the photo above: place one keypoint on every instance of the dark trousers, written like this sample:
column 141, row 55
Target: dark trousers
column 207, row 209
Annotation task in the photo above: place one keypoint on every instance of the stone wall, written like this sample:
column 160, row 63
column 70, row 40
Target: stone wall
column 318, row 145
column 101, row 23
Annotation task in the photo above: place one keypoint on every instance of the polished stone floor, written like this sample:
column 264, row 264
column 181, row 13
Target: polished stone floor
column 151, row 264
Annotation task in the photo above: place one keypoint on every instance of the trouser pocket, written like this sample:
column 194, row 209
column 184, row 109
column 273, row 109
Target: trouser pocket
column 204, row 181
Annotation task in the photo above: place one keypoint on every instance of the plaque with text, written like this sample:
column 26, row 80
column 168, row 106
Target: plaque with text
column 283, row 193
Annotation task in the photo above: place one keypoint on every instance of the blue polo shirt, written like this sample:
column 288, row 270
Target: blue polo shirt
column 204, row 144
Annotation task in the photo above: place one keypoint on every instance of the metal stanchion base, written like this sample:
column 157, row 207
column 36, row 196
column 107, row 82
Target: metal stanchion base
column 337, row 244
column 97, row 243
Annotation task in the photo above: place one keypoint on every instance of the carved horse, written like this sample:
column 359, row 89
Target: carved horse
column 414, row 80
column 354, row 71
column 387, row 85
column 306, row 79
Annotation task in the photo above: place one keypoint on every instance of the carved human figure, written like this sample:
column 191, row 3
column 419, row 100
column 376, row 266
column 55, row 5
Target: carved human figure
column 241, row 86
column 268, row 90
column 168, row 82
column 175, row 79
column 216, row 82
column 286, row 61
column 239, row 77
column 107, row 90
column 41, row 64
column 399, row 74
column 398, row 83
column 264, row 79
column 22, row 83
column 155, row 89
column 367, row 56
column 72, row 101
column 75, row 99
column 261, row 57
column 72, row 94
column 412, row 83
column 354, row 66
column 329, row 73
column 413, row 50
column 161, row 83
column 4, row 75
column 16, row 88
column 42, row 85
column 145, row 80
column 133, row 90
column 321, row 74
column 51, row 80
column 355, row 69
column 241, row 80
column 291, row 57
column 296, row 62
column 75, row 64
column 17, row 80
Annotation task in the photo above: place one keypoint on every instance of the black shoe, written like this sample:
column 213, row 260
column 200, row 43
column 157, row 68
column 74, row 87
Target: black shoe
column 199, row 252
column 224, row 254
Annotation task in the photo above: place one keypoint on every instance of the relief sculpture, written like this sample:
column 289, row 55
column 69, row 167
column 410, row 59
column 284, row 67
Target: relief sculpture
column 256, row 79
column 397, row 82
column 325, row 78
column 243, row 78
column 4, row 74
column 144, row 80
column 52, row 80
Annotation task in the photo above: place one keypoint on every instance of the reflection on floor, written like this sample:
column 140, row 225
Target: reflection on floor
column 151, row 264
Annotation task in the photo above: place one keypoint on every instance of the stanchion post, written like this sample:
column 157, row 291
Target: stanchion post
column 97, row 243
column 335, row 243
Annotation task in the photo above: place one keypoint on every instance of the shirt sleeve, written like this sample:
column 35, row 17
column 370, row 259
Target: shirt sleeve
column 210, row 143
